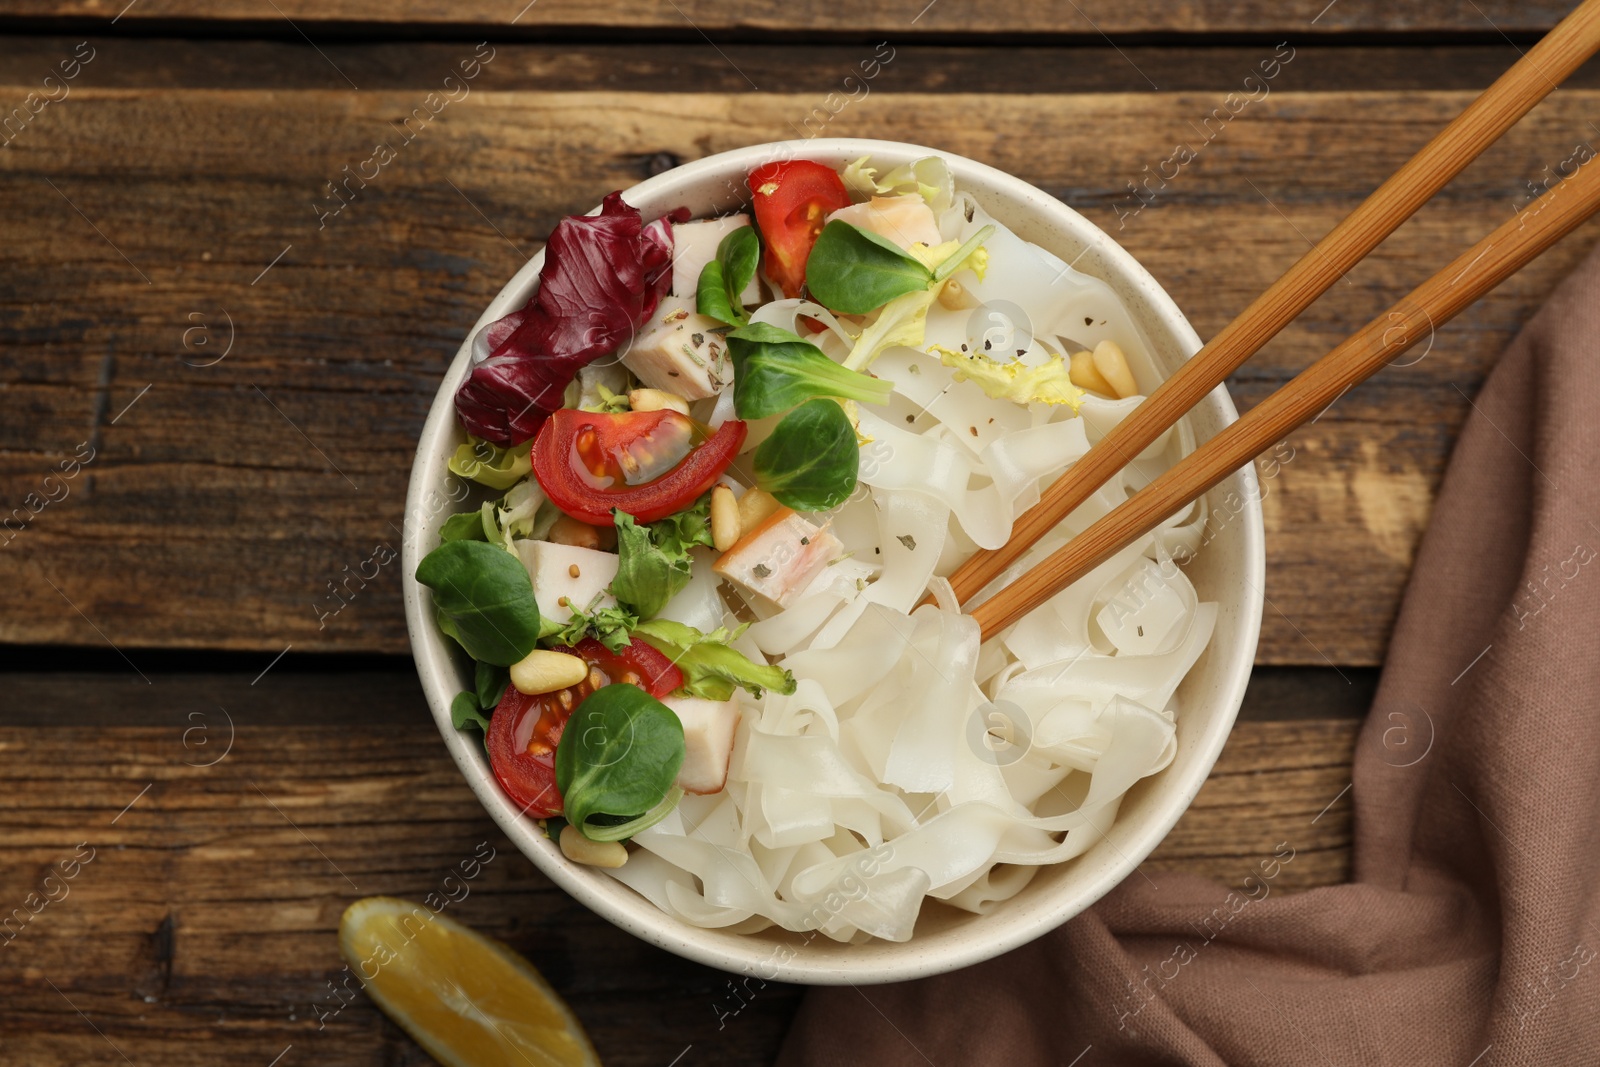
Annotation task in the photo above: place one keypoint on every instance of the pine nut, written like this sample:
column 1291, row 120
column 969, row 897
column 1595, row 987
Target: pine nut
column 1113, row 367
column 569, row 531
column 754, row 507
column 1083, row 374
column 725, row 527
column 579, row 849
column 545, row 671
column 657, row 400
column 953, row 296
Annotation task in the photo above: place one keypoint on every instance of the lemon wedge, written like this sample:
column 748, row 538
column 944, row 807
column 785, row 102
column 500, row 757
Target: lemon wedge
column 467, row 999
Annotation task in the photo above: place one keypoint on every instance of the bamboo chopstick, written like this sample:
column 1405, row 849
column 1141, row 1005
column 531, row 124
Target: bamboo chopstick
column 1473, row 273
column 1513, row 94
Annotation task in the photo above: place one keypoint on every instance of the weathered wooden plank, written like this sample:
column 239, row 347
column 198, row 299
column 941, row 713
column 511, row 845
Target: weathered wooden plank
column 222, row 502
column 1305, row 767
column 202, row 928
column 1087, row 18
column 694, row 66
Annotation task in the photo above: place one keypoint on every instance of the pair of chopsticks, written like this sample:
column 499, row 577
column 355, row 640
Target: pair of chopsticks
column 1471, row 275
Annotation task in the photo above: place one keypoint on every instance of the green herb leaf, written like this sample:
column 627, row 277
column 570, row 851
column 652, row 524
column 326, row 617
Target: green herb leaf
column 467, row 526
column 464, row 712
column 603, row 828
column 773, row 370
column 811, row 459
column 490, row 683
column 619, row 756
column 711, row 668
column 653, row 562
column 725, row 277
column 607, row 402
column 487, row 596
column 711, row 297
column 610, row 626
column 855, row 271
column 488, row 464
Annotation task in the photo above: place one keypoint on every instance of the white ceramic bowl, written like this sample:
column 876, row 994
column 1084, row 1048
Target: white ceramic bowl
column 1228, row 570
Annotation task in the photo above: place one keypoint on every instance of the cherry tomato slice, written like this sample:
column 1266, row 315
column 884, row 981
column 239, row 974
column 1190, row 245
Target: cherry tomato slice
column 792, row 200
column 650, row 464
column 638, row 663
column 525, row 730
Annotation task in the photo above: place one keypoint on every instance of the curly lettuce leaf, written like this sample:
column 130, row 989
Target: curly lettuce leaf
column 685, row 529
column 711, row 667
column 608, row 625
column 1014, row 380
column 653, row 562
column 928, row 177
column 523, row 512
column 606, row 401
column 900, row 322
column 489, row 464
column 903, row 320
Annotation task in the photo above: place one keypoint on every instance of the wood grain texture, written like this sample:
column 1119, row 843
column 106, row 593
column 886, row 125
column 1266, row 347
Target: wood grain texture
column 202, row 930
column 904, row 17
column 220, row 505
column 696, row 67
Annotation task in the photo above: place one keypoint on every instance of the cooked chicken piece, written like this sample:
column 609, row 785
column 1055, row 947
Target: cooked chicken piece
column 694, row 244
column 708, row 727
column 682, row 354
column 905, row 220
column 567, row 578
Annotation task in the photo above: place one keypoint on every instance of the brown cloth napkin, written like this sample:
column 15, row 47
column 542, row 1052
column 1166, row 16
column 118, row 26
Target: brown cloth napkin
column 1470, row 932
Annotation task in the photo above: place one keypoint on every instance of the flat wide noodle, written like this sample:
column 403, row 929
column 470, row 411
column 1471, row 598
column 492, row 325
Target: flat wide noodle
column 911, row 763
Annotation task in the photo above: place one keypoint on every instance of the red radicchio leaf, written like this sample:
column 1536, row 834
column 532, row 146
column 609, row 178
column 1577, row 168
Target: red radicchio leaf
column 603, row 276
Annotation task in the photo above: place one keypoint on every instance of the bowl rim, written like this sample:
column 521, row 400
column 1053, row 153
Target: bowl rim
column 634, row 913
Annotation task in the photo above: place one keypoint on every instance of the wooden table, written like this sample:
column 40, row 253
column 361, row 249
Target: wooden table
column 249, row 382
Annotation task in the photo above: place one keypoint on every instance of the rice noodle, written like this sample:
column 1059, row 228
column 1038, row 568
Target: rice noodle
column 878, row 784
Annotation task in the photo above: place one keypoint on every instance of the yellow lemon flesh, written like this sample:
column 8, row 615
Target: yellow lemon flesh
column 467, row 999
